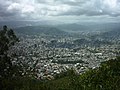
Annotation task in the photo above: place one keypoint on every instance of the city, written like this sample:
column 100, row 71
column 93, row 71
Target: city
column 47, row 57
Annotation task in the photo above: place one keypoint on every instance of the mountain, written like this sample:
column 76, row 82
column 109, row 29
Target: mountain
column 93, row 27
column 113, row 33
column 110, row 35
column 73, row 27
column 16, row 24
column 36, row 30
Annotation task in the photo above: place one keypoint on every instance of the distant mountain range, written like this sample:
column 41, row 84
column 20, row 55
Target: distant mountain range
column 36, row 30
column 107, row 30
column 70, row 27
column 75, row 28
column 112, row 35
column 15, row 24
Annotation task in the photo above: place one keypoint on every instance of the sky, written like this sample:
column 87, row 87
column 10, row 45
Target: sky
column 60, row 10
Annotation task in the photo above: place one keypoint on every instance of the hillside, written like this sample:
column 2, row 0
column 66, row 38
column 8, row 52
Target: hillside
column 36, row 30
column 93, row 27
column 113, row 34
column 106, row 77
column 109, row 35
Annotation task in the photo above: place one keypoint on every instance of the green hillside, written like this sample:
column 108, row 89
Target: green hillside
column 106, row 77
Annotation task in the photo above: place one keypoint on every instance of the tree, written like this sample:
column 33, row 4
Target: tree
column 7, row 38
column 5, row 28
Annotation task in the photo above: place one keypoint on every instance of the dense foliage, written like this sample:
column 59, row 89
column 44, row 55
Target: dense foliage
column 7, row 70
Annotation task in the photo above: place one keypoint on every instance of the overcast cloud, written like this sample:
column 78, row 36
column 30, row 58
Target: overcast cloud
column 59, row 9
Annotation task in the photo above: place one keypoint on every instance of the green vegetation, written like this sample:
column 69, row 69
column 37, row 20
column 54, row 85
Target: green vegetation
column 7, row 70
column 7, row 39
column 106, row 77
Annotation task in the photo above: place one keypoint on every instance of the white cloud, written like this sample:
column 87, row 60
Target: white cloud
column 14, row 6
column 35, row 9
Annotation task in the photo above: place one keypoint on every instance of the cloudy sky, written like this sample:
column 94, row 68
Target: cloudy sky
column 60, row 10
